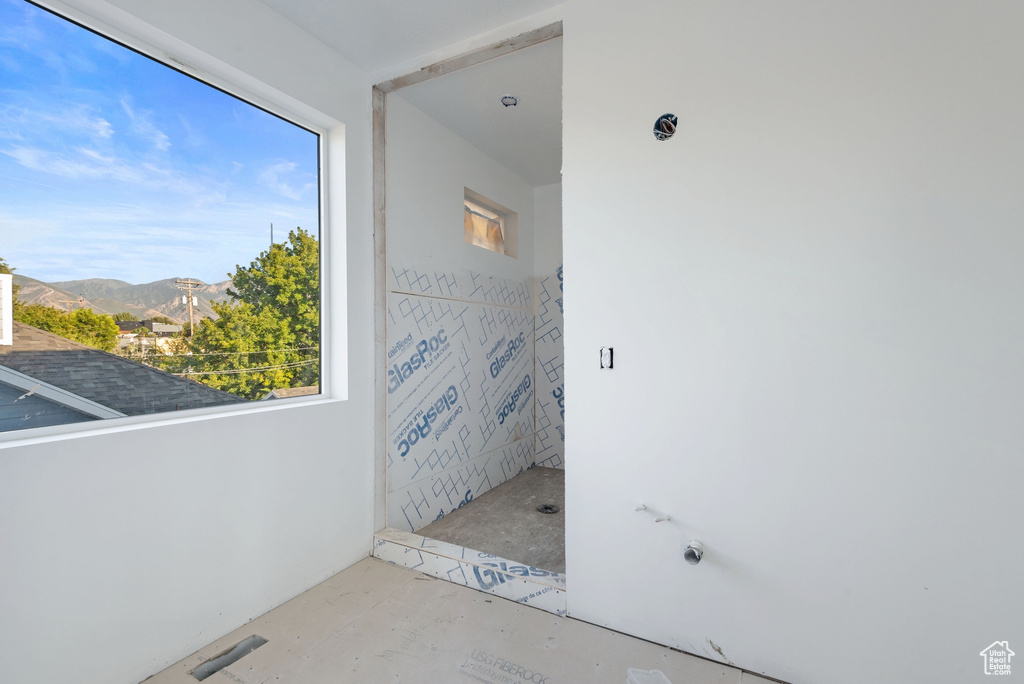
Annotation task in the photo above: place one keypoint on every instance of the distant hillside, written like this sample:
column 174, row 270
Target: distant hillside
column 104, row 295
column 37, row 292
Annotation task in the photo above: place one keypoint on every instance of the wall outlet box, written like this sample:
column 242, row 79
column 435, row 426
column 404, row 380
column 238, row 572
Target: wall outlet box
column 607, row 357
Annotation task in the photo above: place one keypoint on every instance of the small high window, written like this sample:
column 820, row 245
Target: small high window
column 489, row 225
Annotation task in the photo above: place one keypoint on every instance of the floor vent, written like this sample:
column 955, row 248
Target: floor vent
column 548, row 508
column 228, row 657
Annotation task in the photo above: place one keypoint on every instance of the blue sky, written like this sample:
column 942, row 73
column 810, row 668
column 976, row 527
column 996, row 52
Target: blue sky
column 115, row 166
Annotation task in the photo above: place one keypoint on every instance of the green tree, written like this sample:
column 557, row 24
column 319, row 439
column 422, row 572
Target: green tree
column 125, row 316
column 80, row 325
column 268, row 336
column 164, row 319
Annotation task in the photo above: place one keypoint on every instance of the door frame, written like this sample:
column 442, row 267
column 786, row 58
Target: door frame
column 379, row 142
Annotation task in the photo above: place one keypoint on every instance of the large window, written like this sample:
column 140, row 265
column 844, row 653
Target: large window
column 163, row 234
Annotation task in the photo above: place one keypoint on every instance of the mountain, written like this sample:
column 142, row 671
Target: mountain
column 36, row 292
column 105, row 295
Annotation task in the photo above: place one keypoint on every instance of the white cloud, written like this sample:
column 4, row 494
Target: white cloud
column 17, row 230
column 142, row 125
column 94, row 126
column 21, row 120
column 150, row 240
column 274, row 177
column 89, row 164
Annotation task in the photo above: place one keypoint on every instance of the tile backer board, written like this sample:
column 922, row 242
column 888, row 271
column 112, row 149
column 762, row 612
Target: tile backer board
column 462, row 553
column 460, row 390
column 459, row 374
column 477, row 570
column 455, row 483
column 549, row 370
column 407, row 277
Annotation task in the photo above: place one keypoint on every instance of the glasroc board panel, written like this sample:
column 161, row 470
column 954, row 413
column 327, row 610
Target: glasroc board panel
column 461, row 390
column 550, row 383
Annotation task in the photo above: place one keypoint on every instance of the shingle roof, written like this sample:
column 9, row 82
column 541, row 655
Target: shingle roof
column 20, row 411
column 126, row 386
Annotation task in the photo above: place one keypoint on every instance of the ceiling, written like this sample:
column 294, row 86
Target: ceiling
column 374, row 34
column 377, row 34
column 526, row 138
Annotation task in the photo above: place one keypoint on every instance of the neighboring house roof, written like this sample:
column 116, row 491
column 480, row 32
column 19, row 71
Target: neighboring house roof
column 162, row 328
column 20, row 409
column 107, row 379
column 285, row 392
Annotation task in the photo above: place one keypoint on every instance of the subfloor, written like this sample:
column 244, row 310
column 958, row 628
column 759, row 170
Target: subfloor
column 376, row 622
column 504, row 521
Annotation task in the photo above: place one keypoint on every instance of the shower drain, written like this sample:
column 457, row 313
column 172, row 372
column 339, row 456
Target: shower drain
column 547, row 508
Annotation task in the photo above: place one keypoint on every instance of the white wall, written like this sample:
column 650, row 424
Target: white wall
column 547, row 202
column 119, row 560
column 428, row 168
column 548, row 306
column 814, row 294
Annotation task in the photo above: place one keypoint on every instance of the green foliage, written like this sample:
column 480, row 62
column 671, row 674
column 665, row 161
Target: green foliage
column 185, row 331
column 164, row 319
column 125, row 316
column 80, row 325
column 268, row 336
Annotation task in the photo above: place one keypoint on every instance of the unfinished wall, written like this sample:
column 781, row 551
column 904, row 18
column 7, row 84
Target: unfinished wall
column 550, row 361
column 460, row 325
column 120, row 561
column 814, row 294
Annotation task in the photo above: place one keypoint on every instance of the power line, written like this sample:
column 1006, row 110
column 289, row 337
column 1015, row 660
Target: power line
column 268, row 351
column 257, row 369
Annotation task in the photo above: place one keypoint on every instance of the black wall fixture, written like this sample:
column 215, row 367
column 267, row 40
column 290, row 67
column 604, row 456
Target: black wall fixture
column 665, row 126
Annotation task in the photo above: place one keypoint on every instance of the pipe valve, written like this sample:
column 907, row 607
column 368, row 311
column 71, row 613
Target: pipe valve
column 693, row 552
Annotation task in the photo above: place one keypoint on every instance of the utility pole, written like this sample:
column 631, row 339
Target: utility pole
column 70, row 303
column 188, row 285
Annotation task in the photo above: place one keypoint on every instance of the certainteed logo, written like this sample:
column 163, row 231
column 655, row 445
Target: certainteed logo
column 515, row 346
column 398, row 374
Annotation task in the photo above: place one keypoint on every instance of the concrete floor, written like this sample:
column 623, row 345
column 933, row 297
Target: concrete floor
column 505, row 522
column 377, row 622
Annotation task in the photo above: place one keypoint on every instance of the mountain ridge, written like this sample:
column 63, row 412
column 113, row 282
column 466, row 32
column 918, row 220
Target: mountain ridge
column 110, row 296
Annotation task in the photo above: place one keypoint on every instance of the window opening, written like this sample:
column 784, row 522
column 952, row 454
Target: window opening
column 487, row 224
column 140, row 206
column 484, row 228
